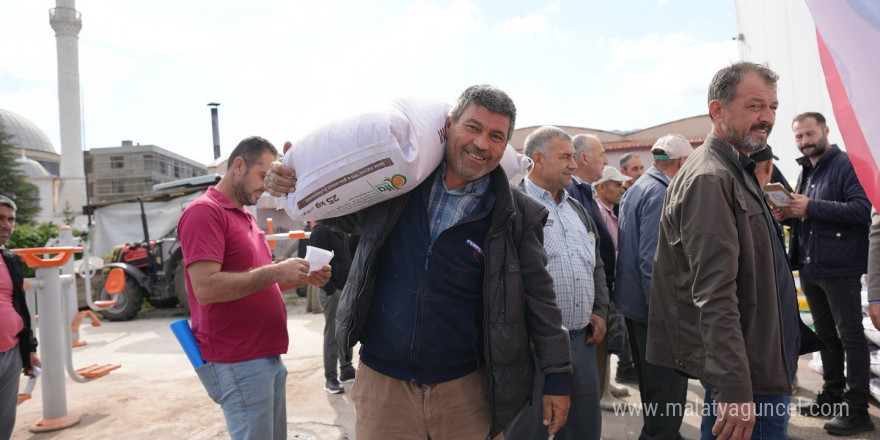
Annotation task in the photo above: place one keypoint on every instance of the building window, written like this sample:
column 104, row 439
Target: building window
column 148, row 162
column 117, row 161
column 176, row 171
column 162, row 169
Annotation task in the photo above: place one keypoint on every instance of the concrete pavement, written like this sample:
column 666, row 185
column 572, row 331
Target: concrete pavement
column 156, row 394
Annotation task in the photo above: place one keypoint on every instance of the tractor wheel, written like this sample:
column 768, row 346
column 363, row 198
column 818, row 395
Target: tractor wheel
column 180, row 287
column 128, row 302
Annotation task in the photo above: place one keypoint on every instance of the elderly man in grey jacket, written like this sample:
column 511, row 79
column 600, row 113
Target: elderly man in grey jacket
column 574, row 262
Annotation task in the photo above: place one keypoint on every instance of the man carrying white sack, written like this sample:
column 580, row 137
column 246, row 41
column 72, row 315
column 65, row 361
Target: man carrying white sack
column 438, row 296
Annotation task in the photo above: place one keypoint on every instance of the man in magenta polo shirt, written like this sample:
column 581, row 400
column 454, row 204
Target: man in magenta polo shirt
column 238, row 316
column 18, row 346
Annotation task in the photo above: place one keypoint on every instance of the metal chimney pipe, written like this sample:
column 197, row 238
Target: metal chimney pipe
column 215, row 127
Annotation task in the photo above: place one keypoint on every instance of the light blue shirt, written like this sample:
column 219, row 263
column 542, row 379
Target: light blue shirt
column 446, row 207
column 571, row 257
column 639, row 227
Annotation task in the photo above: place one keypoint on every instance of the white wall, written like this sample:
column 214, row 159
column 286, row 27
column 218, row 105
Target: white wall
column 782, row 34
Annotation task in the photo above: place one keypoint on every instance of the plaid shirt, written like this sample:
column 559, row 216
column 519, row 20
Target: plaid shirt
column 571, row 257
column 447, row 207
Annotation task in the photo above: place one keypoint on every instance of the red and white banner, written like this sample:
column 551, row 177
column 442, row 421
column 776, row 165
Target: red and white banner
column 849, row 37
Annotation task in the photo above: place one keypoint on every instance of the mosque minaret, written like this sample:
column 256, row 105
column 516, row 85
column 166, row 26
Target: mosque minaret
column 67, row 22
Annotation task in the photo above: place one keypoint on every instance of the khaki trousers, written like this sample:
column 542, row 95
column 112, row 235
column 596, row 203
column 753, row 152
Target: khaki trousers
column 389, row 409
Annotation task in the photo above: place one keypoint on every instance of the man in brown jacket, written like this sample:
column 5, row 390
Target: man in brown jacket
column 723, row 305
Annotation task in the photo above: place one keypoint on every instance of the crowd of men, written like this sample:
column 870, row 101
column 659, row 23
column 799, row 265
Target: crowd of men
column 688, row 252
column 488, row 310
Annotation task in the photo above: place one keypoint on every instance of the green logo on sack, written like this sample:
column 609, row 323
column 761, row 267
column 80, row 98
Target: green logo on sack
column 392, row 183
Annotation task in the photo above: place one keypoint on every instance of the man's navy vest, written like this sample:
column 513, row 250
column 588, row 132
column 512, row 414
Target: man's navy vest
column 426, row 318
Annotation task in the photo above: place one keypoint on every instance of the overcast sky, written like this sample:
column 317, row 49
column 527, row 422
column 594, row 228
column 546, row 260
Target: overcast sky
column 280, row 68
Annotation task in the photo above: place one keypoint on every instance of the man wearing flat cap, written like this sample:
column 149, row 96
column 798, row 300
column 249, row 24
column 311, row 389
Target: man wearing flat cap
column 640, row 210
column 607, row 192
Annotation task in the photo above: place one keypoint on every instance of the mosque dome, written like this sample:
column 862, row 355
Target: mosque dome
column 31, row 168
column 26, row 135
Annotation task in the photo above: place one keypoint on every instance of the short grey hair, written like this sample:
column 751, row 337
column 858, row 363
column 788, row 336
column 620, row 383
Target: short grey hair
column 6, row 201
column 539, row 140
column 626, row 157
column 491, row 97
column 723, row 85
column 582, row 144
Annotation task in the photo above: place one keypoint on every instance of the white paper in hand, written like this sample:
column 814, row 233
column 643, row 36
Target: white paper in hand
column 317, row 258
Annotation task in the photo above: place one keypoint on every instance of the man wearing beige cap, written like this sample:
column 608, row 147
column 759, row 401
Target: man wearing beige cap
column 640, row 210
column 608, row 191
